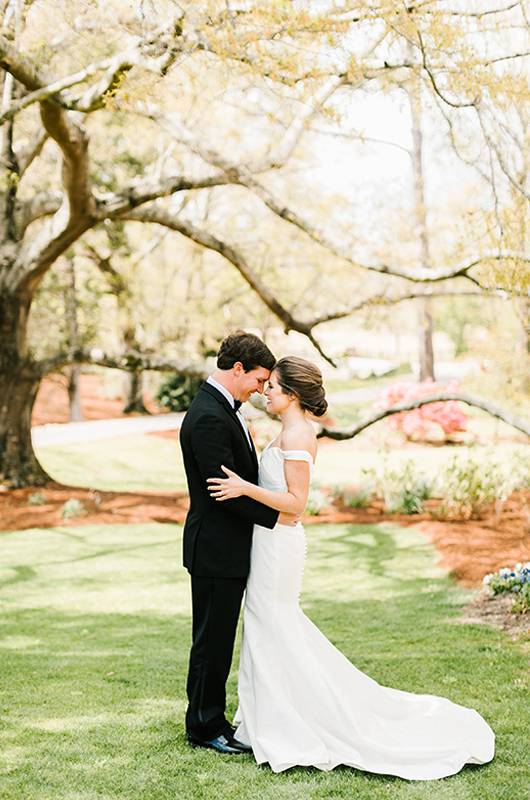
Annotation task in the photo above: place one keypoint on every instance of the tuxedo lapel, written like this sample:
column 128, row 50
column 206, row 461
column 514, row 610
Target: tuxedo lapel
column 211, row 390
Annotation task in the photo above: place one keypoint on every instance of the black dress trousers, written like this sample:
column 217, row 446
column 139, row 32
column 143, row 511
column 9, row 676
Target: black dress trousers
column 216, row 604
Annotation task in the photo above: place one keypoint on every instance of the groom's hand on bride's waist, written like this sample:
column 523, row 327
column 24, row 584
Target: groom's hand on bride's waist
column 288, row 519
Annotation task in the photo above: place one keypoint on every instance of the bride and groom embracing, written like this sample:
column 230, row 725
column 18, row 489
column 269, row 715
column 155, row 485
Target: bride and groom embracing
column 301, row 702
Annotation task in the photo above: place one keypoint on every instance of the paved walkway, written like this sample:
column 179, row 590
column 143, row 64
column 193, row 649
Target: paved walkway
column 70, row 432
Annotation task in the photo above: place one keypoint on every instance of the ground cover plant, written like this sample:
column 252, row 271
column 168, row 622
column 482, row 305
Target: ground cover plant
column 93, row 650
column 516, row 580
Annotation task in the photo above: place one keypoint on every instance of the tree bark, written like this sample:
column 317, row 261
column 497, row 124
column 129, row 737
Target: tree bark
column 19, row 383
column 519, row 423
column 425, row 348
column 74, row 374
column 135, row 394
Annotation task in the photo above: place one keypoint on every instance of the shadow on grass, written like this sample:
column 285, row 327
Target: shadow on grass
column 92, row 704
column 95, row 703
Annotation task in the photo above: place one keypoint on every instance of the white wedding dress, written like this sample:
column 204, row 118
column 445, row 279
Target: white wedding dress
column 301, row 702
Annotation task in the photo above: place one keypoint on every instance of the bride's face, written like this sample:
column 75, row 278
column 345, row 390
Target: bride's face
column 277, row 400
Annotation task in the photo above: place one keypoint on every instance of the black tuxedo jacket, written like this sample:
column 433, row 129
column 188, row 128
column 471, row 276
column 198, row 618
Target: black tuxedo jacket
column 218, row 535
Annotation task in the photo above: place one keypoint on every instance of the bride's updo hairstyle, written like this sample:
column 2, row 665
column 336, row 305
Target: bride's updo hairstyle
column 303, row 380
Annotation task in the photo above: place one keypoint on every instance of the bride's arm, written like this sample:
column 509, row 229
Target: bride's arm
column 297, row 476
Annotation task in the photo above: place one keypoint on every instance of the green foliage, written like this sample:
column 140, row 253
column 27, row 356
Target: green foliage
column 177, row 391
column 36, row 499
column 515, row 580
column 316, row 502
column 403, row 490
column 355, row 496
column 73, row 508
column 468, row 484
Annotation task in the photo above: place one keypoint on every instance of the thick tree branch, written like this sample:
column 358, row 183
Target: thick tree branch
column 491, row 408
column 131, row 360
column 42, row 88
column 384, row 299
column 162, row 216
column 41, row 204
column 117, row 283
column 49, row 90
column 20, row 67
column 28, row 154
column 143, row 191
column 242, row 175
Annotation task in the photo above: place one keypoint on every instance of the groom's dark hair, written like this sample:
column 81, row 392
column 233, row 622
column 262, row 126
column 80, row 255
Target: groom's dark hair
column 246, row 348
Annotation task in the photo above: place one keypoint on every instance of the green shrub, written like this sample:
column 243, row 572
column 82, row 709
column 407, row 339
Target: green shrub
column 316, row 502
column 520, row 469
column 401, row 488
column 73, row 508
column 356, row 496
column 36, row 499
column 468, row 484
column 177, row 391
column 515, row 580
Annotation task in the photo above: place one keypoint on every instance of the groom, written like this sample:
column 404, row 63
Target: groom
column 218, row 536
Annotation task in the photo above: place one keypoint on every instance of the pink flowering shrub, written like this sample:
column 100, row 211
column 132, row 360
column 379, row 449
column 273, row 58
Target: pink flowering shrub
column 446, row 416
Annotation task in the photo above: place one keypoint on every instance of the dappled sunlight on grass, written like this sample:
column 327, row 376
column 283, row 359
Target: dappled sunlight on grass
column 134, row 570
column 94, row 646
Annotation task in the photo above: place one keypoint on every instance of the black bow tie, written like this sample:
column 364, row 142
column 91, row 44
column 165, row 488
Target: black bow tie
column 237, row 405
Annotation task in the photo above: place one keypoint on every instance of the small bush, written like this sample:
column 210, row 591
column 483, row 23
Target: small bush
column 177, row 392
column 516, row 580
column 445, row 417
column 73, row 508
column 402, row 489
column 36, row 499
column 316, row 502
column 356, row 496
column 520, row 469
column 468, row 484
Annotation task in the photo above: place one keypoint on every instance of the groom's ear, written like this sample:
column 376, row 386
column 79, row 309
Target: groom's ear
column 238, row 368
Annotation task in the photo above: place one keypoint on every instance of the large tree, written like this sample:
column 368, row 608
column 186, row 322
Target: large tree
column 69, row 103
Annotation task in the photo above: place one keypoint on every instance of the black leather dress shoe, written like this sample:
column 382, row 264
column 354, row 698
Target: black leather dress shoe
column 222, row 744
column 245, row 748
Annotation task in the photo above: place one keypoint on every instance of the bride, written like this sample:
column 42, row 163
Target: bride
column 301, row 702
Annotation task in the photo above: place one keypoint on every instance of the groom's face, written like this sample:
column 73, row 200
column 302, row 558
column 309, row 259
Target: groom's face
column 246, row 383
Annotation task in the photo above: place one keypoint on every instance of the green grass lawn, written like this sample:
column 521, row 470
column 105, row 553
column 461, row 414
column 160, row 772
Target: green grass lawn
column 94, row 640
column 122, row 463
column 136, row 463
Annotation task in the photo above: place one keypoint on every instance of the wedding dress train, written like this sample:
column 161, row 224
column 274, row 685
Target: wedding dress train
column 301, row 702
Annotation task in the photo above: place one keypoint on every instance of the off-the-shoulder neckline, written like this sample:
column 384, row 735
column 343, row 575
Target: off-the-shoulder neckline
column 292, row 450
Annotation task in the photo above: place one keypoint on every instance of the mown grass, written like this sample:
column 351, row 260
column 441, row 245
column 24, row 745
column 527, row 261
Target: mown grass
column 137, row 463
column 121, row 463
column 94, row 640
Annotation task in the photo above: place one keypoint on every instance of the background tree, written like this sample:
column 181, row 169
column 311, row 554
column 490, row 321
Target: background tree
column 80, row 149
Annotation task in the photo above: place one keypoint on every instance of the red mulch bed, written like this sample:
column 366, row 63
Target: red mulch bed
column 469, row 549
column 51, row 404
column 16, row 512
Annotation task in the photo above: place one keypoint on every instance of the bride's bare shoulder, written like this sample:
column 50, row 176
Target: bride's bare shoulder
column 300, row 437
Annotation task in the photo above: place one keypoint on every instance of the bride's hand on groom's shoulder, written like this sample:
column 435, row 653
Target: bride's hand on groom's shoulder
column 227, row 488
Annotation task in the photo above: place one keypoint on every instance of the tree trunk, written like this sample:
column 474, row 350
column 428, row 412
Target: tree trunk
column 19, row 383
column 74, row 394
column 135, row 399
column 426, row 354
column 134, row 390
column 70, row 307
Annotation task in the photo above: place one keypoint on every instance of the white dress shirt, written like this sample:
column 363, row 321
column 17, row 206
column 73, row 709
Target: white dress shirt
column 224, row 391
